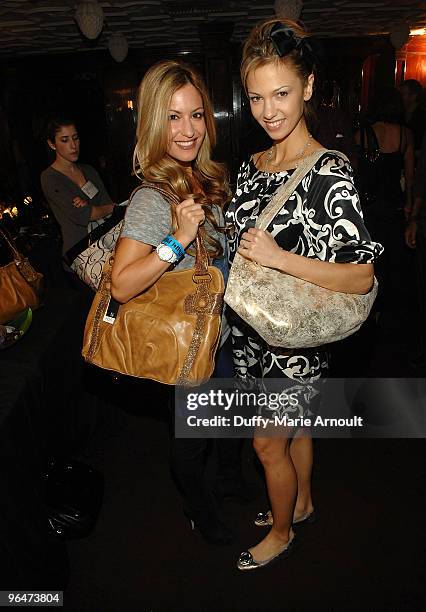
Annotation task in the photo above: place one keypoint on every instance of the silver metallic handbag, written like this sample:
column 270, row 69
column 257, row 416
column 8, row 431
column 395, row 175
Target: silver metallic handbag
column 287, row 311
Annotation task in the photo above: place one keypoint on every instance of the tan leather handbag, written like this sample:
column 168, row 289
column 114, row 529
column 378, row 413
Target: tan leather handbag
column 168, row 333
column 20, row 285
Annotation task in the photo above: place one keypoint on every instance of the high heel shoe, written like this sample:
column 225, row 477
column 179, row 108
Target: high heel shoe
column 264, row 519
column 246, row 561
column 211, row 528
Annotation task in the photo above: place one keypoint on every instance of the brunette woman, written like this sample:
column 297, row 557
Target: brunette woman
column 74, row 191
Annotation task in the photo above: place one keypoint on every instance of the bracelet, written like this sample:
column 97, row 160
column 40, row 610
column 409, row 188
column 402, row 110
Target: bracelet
column 175, row 245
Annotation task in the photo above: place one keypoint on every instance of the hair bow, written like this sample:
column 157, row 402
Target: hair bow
column 285, row 41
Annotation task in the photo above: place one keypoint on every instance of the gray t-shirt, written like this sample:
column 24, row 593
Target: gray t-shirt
column 149, row 220
column 60, row 191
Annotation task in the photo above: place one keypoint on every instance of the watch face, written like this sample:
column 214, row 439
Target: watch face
column 165, row 253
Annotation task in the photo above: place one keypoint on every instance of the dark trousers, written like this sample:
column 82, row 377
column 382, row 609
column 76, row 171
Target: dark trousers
column 188, row 456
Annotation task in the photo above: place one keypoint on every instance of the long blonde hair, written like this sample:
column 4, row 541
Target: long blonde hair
column 151, row 160
column 260, row 50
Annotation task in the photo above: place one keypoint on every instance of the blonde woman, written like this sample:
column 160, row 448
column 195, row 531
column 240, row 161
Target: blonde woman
column 318, row 236
column 175, row 135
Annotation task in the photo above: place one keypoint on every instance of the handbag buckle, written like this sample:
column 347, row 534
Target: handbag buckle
column 201, row 278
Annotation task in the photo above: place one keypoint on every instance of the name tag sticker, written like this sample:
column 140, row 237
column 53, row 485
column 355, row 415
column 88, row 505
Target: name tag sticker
column 89, row 189
column 111, row 311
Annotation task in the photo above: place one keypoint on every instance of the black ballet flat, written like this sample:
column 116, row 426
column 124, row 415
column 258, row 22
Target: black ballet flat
column 246, row 560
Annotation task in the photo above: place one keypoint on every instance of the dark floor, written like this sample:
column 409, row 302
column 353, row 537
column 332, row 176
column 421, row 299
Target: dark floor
column 366, row 552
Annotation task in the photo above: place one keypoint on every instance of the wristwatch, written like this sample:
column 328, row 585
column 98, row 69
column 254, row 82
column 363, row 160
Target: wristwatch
column 165, row 253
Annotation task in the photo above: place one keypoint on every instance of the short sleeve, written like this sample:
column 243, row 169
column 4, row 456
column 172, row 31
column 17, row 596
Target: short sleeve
column 335, row 228
column 148, row 218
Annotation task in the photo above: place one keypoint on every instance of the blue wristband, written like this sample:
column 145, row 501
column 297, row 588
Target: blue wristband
column 175, row 245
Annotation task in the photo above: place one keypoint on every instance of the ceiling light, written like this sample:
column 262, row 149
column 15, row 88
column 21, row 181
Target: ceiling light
column 419, row 32
column 118, row 46
column 288, row 9
column 90, row 18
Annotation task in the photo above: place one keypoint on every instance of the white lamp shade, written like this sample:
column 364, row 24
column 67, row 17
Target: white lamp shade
column 90, row 18
column 399, row 35
column 288, row 9
column 118, row 46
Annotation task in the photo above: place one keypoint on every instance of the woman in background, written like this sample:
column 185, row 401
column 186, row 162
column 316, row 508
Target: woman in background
column 74, row 191
column 386, row 153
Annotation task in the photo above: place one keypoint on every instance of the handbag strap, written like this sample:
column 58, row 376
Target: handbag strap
column 93, row 236
column 21, row 262
column 9, row 242
column 289, row 187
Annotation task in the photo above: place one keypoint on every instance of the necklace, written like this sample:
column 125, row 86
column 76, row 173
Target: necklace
column 298, row 157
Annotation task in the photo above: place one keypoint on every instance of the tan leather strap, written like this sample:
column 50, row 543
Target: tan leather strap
column 105, row 291
column 21, row 262
column 289, row 187
column 9, row 242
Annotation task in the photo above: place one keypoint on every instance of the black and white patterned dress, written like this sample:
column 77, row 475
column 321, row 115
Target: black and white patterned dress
column 321, row 220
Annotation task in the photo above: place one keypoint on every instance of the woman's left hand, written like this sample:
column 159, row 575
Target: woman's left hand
column 259, row 246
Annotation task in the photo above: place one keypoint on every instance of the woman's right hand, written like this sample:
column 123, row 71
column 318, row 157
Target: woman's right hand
column 190, row 216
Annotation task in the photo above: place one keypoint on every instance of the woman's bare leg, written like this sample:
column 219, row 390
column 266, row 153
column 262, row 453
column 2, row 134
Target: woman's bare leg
column 301, row 451
column 281, row 480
